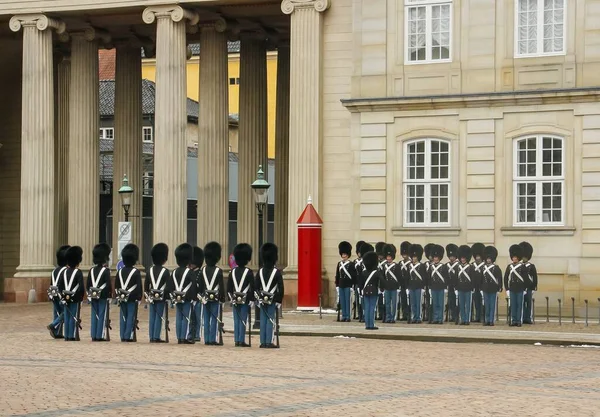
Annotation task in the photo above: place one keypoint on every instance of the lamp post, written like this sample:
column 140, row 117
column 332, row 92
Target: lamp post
column 260, row 188
column 125, row 192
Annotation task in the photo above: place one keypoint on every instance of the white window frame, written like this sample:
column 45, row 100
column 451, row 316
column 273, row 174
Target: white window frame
column 104, row 130
column 408, row 4
column 147, row 128
column 427, row 182
column 540, row 32
column 538, row 179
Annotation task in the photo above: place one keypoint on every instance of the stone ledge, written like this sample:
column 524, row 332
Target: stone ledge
column 427, row 231
column 538, row 231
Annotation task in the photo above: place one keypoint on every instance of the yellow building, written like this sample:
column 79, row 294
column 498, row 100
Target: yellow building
column 193, row 70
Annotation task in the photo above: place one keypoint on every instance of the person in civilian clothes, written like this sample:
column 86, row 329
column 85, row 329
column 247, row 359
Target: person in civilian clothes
column 369, row 284
column 491, row 284
column 345, row 278
column 240, row 287
column 358, row 268
column 438, row 282
column 269, row 287
column 532, row 278
column 72, row 291
column 478, row 263
column 214, row 293
column 99, row 291
column 404, row 276
column 195, row 266
column 182, row 289
column 416, row 283
column 364, row 248
column 515, row 284
column 464, row 284
column 452, row 265
column 128, row 289
column 390, row 283
column 157, row 291
column 380, row 262
column 56, row 326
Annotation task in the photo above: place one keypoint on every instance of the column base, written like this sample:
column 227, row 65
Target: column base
column 16, row 289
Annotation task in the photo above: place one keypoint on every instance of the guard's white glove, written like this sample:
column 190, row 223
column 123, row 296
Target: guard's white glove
column 445, row 290
column 481, row 292
column 456, row 292
column 337, row 295
column 278, row 305
column 507, row 293
column 429, row 293
column 380, row 292
column 524, row 293
column 532, row 292
column 251, row 304
column 407, row 292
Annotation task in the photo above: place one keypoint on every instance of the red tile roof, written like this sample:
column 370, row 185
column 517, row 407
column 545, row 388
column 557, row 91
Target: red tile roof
column 107, row 58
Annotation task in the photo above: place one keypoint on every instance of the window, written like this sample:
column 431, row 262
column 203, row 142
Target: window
column 539, row 181
column 540, row 26
column 147, row 134
column 427, row 183
column 234, row 81
column 107, row 133
column 148, row 183
column 428, row 30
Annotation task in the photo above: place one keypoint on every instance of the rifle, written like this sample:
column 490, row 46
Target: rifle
column 508, row 318
column 220, row 324
column 78, row 322
column 339, row 310
column 135, row 322
column 166, row 320
column 108, row 328
column 277, row 324
column 457, row 317
column 429, row 307
column 249, row 326
column 398, row 305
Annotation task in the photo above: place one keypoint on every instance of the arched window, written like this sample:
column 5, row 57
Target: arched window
column 427, row 183
column 539, row 180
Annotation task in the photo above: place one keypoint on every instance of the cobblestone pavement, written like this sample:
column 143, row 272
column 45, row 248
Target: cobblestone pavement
column 306, row 377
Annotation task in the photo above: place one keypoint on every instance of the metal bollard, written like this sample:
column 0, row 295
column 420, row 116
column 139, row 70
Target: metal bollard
column 559, row 312
column 533, row 310
column 320, row 306
column 586, row 313
column 573, row 309
column 547, row 310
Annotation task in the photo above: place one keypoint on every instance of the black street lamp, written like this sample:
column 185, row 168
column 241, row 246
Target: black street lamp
column 260, row 188
column 125, row 192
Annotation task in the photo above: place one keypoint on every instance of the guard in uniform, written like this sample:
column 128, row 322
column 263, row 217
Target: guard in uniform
column 417, row 282
column 157, row 292
column 128, row 289
column 364, row 248
column 72, row 292
column 404, row 273
column 491, row 284
column 437, row 283
column 269, row 290
column 98, row 291
column 240, row 287
column 478, row 263
column 465, row 283
column 452, row 265
column 358, row 268
column 195, row 266
column 345, row 278
column 515, row 283
column 390, row 283
column 426, row 302
column 182, row 289
column 214, row 294
column 56, row 326
column 381, row 261
column 369, row 285
column 532, row 278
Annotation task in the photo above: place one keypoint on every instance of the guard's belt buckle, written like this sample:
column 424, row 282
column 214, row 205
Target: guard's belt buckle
column 239, row 298
column 94, row 293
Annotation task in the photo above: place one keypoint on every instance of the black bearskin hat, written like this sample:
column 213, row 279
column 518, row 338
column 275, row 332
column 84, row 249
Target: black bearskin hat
column 212, row 253
column 370, row 261
column 464, row 251
column 197, row 257
column 269, row 254
column 130, row 254
column 159, row 253
column 515, row 251
column 366, row 247
column 61, row 255
column 345, row 247
column 184, row 254
column 389, row 250
column 242, row 254
column 452, row 250
column 437, row 252
column 427, row 250
column 404, row 248
column 100, row 254
column 379, row 248
column 416, row 251
column 358, row 245
column 527, row 250
column 477, row 249
column 74, row 255
column 490, row 252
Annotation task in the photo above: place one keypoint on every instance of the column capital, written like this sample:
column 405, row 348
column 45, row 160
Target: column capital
column 289, row 6
column 40, row 21
column 220, row 25
column 176, row 13
column 91, row 34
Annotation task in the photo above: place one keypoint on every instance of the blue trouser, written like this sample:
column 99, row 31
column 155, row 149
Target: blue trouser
column 477, row 301
column 267, row 317
column 183, row 320
column 437, row 300
column 240, row 318
column 370, row 302
column 211, row 327
column 157, row 311
column 71, row 311
column 359, row 304
column 404, row 302
column 99, row 320
column 197, row 319
column 415, row 304
column 451, row 305
column 516, row 307
column 489, row 301
column 57, row 314
column 390, row 298
column 464, row 303
column 380, row 307
column 345, row 302
column 127, row 319
column 527, row 306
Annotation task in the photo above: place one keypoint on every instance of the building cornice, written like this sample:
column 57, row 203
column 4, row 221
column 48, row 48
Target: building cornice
column 454, row 101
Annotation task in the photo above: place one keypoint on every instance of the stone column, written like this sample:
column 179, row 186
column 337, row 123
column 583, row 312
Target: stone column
column 282, row 151
column 61, row 153
column 84, row 153
column 127, row 156
column 213, row 137
column 305, row 111
column 170, row 149
column 252, row 134
column 36, row 252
